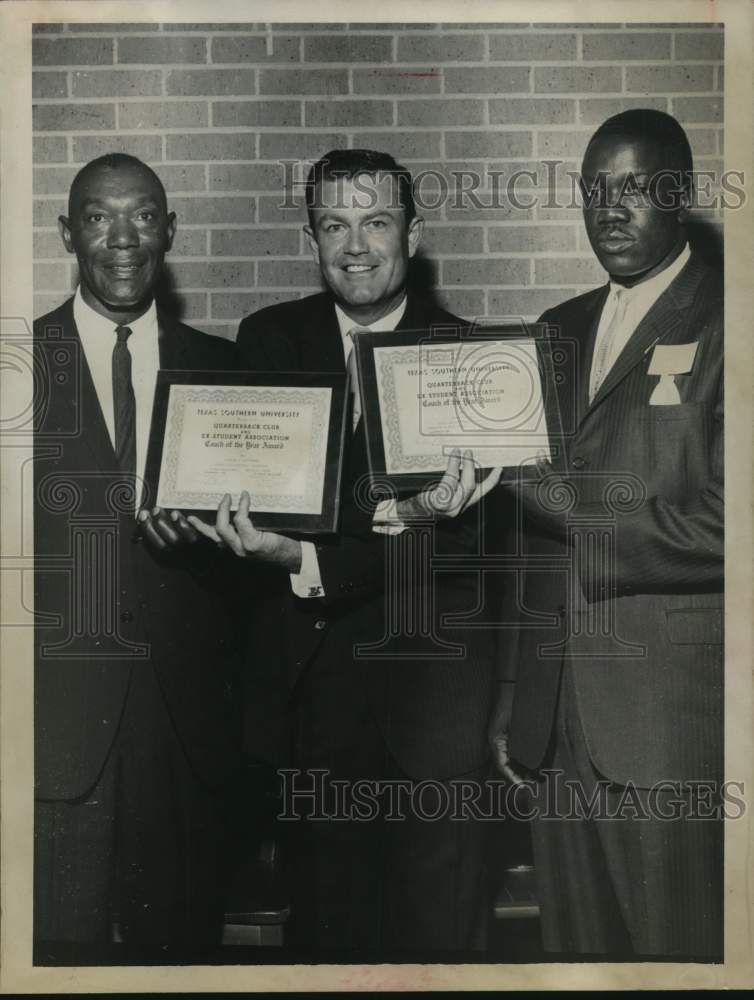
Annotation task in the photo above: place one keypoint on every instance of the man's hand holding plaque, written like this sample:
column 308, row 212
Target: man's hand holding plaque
column 456, row 491
column 244, row 540
column 166, row 529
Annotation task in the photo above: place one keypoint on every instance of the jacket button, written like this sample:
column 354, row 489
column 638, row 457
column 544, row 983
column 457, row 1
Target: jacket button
column 320, row 624
column 561, row 611
column 579, row 463
column 126, row 617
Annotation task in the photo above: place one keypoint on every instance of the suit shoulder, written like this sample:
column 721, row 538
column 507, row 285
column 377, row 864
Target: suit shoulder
column 711, row 286
column 442, row 316
column 569, row 308
column 55, row 319
column 423, row 310
column 282, row 316
column 210, row 350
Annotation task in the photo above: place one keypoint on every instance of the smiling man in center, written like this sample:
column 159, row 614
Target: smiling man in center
column 411, row 885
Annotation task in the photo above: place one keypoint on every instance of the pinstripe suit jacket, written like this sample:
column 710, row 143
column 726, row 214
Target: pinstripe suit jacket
column 634, row 599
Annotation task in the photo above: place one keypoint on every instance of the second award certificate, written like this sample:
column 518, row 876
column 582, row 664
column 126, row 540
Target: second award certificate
column 423, row 396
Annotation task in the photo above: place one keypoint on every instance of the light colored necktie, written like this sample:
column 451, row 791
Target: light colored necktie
column 602, row 360
column 353, row 377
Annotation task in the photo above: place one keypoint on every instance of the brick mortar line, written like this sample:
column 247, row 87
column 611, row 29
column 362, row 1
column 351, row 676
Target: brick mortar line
column 464, row 29
column 373, row 98
column 461, row 64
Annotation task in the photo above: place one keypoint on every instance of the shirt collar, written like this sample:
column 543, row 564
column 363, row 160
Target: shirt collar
column 653, row 288
column 89, row 321
column 384, row 325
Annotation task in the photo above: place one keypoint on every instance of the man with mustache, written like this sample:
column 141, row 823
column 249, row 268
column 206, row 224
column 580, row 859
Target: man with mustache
column 418, row 711
column 134, row 653
column 619, row 688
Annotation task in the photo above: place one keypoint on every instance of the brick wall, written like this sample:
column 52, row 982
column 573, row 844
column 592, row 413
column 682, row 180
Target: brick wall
column 214, row 107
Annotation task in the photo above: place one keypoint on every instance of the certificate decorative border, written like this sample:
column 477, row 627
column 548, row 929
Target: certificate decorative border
column 396, row 460
column 318, row 398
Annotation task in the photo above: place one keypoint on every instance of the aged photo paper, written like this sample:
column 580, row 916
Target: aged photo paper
column 162, row 79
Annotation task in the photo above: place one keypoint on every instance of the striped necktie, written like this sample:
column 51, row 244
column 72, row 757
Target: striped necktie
column 124, row 403
column 353, row 377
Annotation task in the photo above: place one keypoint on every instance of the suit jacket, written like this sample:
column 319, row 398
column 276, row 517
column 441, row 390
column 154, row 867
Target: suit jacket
column 106, row 604
column 433, row 712
column 635, row 600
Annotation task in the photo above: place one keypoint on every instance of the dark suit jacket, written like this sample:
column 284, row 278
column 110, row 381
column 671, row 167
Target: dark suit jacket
column 433, row 712
column 639, row 611
column 106, row 604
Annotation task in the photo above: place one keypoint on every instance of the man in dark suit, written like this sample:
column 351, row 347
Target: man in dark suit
column 134, row 653
column 619, row 688
column 410, row 709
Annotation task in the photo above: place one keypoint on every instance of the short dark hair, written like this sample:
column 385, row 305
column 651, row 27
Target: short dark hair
column 340, row 164
column 653, row 126
column 112, row 161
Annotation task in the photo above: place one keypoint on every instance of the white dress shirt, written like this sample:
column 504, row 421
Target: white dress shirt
column 639, row 300
column 308, row 581
column 97, row 335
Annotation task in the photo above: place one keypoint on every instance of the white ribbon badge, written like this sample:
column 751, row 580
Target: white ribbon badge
column 669, row 360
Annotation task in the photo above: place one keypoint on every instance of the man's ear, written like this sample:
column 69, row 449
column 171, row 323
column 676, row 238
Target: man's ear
column 312, row 241
column 172, row 226
column 415, row 231
column 685, row 201
column 64, row 228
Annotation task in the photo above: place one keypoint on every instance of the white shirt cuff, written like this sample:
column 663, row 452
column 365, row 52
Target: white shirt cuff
column 386, row 520
column 308, row 582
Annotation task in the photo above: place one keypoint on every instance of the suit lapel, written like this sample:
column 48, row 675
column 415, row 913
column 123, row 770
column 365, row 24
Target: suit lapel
column 414, row 318
column 321, row 347
column 79, row 397
column 173, row 348
column 583, row 361
column 661, row 323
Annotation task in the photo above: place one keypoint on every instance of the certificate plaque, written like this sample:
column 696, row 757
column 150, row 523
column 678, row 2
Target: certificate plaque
column 278, row 436
column 422, row 395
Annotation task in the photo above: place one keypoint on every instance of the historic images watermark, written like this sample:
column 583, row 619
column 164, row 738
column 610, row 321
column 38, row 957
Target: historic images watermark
column 315, row 795
column 548, row 184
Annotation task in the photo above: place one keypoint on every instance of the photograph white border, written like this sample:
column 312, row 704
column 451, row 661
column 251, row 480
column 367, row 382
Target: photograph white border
column 16, row 675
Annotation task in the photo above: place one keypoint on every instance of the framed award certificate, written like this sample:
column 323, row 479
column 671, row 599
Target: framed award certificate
column 279, row 436
column 491, row 391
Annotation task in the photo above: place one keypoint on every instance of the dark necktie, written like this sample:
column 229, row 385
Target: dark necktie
column 124, row 403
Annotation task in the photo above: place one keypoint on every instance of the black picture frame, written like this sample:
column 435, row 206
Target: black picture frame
column 403, row 484
column 325, row 522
